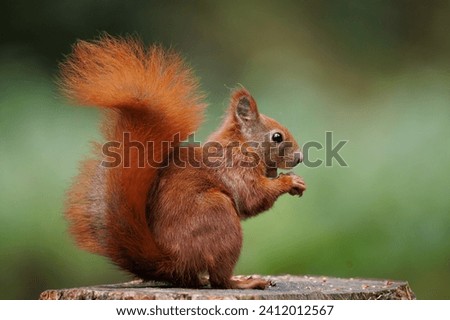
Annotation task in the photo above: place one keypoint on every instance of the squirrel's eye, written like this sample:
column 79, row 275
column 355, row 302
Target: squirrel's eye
column 277, row 137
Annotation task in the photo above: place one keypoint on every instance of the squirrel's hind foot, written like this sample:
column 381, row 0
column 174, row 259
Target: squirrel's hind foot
column 250, row 283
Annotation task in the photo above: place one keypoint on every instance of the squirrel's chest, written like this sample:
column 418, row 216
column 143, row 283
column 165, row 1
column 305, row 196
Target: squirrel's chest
column 243, row 188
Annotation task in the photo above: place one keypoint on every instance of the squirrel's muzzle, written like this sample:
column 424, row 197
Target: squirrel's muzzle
column 294, row 160
column 298, row 157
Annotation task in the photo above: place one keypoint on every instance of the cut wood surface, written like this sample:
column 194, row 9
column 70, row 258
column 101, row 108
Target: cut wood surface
column 285, row 287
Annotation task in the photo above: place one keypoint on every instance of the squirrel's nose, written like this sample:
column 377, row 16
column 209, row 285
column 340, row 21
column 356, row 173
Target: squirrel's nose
column 298, row 157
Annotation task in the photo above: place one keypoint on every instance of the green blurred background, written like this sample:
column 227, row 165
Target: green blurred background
column 376, row 73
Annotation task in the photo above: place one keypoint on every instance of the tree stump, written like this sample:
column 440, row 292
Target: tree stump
column 285, row 287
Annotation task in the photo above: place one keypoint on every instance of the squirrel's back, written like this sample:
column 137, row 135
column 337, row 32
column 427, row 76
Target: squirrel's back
column 150, row 94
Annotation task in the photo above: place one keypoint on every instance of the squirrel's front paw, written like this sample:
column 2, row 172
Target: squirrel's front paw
column 298, row 186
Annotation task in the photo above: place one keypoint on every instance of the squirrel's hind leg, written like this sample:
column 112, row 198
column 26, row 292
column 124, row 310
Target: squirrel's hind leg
column 224, row 240
column 209, row 241
column 218, row 238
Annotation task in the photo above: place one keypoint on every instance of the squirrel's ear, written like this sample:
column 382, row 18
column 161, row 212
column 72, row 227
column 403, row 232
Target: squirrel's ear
column 244, row 106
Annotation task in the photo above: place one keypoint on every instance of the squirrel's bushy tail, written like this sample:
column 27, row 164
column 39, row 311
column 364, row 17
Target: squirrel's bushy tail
column 149, row 94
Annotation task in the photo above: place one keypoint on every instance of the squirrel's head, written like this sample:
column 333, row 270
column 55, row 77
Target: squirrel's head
column 261, row 136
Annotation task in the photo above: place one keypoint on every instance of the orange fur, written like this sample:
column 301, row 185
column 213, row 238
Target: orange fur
column 167, row 222
column 150, row 93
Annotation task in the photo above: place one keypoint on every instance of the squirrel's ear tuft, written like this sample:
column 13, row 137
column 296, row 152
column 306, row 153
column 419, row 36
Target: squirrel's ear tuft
column 244, row 106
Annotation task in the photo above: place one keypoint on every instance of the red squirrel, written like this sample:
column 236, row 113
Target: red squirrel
column 169, row 222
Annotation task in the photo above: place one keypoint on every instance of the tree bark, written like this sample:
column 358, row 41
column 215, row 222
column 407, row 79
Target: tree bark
column 285, row 287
